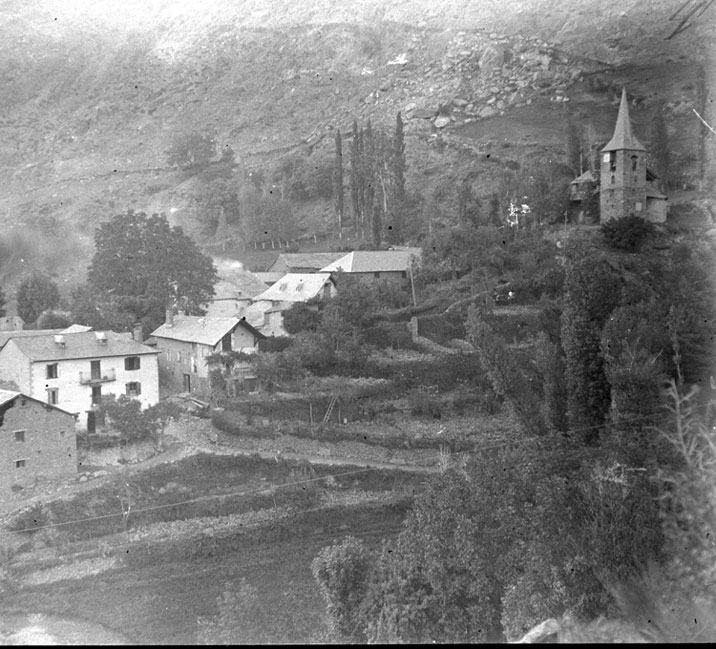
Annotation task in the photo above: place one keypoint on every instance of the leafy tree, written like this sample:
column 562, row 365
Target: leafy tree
column 219, row 201
column 303, row 316
column 342, row 572
column 142, row 264
column 235, row 621
column 127, row 417
column 191, row 151
column 53, row 320
column 35, row 294
column 627, row 232
column 468, row 205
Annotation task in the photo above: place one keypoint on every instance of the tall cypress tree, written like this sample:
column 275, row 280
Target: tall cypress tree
column 356, row 183
column 338, row 182
column 398, row 159
column 368, row 176
column 660, row 145
column 573, row 145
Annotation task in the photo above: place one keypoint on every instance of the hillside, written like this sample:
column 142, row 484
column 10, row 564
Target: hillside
column 96, row 92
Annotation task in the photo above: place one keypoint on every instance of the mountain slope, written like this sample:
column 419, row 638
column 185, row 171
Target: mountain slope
column 95, row 92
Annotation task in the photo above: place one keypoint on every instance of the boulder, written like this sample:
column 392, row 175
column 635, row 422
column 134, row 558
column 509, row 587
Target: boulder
column 441, row 121
column 541, row 632
column 487, row 111
column 459, row 102
column 492, row 57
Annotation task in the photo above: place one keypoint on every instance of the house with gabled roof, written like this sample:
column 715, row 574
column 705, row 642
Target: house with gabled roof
column 233, row 292
column 303, row 262
column 37, row 441
column 290, row 289
column 377, row 265
column 191, row 346
column 74, row 370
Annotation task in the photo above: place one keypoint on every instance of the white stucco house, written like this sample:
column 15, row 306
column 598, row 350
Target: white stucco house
column 74, row 370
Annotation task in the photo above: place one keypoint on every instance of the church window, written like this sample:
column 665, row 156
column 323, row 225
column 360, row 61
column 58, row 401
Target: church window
column 634, row 161
column 612, row 160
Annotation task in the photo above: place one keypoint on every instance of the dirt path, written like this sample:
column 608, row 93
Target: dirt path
column 190, row 436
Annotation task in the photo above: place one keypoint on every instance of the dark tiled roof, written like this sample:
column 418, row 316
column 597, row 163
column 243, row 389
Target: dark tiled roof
column 289, row 262
column 6, row 396
column 204, row 330
column 372, row 261
column 623, row 137
column 85, row 344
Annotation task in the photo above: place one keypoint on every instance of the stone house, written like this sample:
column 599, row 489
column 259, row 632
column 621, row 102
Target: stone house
column 392, row 266
column 267, row 308
column 190, row 347
column 74, row 370
column 233, row 293
column 38, row 441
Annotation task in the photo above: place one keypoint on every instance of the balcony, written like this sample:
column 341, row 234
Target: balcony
column 97, row 378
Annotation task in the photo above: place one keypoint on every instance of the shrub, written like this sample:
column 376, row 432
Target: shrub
column 626, row 233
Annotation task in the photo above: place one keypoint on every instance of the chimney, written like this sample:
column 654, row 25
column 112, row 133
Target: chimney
column 60, row 341
column 137, row 334
column 169, row 318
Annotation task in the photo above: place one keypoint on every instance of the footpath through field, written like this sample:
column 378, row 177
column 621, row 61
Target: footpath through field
column 190, row 436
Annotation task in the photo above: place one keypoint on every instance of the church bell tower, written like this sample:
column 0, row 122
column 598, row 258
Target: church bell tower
column 623, row 185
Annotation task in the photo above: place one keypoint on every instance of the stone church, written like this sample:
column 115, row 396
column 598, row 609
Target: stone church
column 625, row 186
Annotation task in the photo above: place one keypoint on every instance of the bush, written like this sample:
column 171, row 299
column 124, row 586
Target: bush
column 626, row 233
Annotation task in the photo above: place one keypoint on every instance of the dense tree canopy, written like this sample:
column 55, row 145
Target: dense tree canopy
column 141, row 264
column 36, row 294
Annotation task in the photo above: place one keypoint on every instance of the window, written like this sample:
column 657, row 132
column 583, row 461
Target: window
column 23, row 402
column 178, row 357
column 96, row 395
column 612, row 161
column 376, row 274
column 637, row 207
column 226, row 343
column 20, row 463
column 53, row 396
column 52, row 371
column 95, row 370
column 134, row 389
column 19, row 435
column 131, row 363
column 612, row 179
column 634, row 161
column 404, row 274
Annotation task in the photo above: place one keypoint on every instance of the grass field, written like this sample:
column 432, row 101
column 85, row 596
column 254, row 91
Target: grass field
column 157, row 594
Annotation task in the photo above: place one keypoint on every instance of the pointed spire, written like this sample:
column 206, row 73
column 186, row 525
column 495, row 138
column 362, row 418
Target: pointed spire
column 623, row 137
